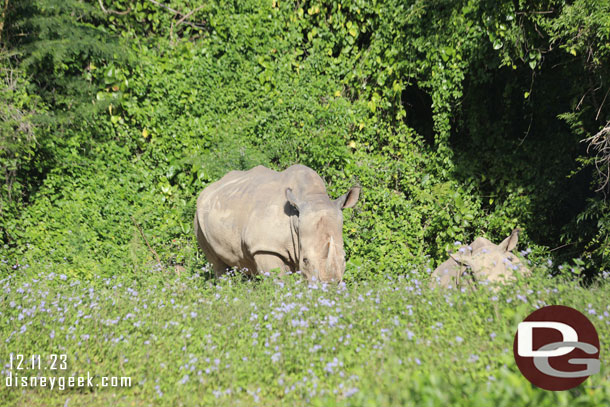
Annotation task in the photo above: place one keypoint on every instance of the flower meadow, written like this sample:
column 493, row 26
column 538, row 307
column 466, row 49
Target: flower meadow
column 186, row 339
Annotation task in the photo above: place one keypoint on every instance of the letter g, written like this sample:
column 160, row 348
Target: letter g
column 593, row 364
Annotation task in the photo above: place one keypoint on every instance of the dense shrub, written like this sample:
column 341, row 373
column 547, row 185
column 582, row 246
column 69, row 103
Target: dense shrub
column 447, row 113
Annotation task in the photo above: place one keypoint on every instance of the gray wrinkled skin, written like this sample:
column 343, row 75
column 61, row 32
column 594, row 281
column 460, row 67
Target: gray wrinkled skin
column 260, row 219
column 480, row 261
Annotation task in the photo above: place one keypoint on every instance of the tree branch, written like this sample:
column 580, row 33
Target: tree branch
column 180, row 14
column 108, row 11
column 602, row 105
column 146, row 240
column 181, row 21
column 189, row 14
column 166, row 7
column 525, row 13
column 600, row 143
column 3, row 17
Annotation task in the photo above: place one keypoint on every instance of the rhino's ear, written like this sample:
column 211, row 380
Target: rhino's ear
column 349, row 199
column 292, row 200
column 510, row 242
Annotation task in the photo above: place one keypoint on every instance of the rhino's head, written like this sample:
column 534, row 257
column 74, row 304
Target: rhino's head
column 482, row 260
column 318, row 227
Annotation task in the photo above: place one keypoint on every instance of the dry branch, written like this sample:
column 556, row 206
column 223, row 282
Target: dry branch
column 600, row 143
column 182, row 21
column 146, row 240
column 183, row 16
column 3, row 17
column 109, row 11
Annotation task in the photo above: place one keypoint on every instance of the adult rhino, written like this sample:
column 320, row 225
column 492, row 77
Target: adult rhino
column 481, row 260
column 261, row 220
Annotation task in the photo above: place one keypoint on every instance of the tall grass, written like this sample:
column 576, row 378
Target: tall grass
column 188, row 340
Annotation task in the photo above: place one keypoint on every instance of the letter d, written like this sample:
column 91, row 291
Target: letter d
column 525, row 338
column 9, row 379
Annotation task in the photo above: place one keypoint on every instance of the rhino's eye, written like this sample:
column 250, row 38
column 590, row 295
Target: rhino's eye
column 305, row 260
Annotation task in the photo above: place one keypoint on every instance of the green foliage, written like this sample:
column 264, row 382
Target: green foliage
column 60, row 43
column 51, row 50
column 18, row 109
column 439, row 110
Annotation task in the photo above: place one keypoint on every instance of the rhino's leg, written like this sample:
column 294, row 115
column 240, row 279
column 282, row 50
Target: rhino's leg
column 218, row 265
column 267, row 262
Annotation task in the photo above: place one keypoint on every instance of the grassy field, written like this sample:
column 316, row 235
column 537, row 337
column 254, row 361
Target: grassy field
column 189, row 340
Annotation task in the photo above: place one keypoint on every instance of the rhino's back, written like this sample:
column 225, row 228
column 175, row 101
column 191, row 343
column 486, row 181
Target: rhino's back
column 251, row 191
column 245, row 212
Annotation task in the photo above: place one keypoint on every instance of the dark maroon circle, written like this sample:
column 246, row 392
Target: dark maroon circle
column 542, row 336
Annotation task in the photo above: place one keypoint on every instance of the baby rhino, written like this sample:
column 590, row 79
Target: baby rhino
column 260, row 219
column 480, row 261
